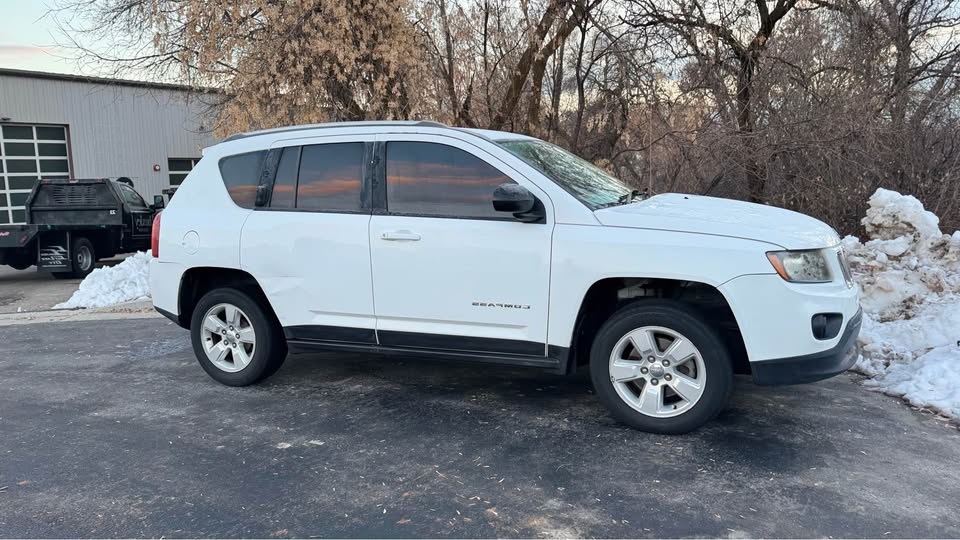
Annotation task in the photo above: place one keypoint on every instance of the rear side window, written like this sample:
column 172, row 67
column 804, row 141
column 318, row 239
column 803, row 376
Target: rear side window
column 330, row 177
column 438, row 180
column 241, row 174
column 285, row 183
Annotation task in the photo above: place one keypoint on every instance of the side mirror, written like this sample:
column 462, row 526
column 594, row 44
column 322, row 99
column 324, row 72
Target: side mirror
column 517, row 200
column 158, row 203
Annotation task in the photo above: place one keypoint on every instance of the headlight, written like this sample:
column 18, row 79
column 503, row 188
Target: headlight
column 801, row 266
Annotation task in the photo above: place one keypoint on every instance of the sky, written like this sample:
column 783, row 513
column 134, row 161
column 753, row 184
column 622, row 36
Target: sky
column 28, row 39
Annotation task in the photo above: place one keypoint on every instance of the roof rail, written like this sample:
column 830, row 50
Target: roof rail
column 431, row 123
column 329, row 125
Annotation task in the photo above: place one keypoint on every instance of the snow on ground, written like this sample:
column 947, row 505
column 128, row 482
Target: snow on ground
column 108, row 286
column 909, row 278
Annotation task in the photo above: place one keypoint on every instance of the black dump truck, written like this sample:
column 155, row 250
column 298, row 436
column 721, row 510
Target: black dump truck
column 72, row 223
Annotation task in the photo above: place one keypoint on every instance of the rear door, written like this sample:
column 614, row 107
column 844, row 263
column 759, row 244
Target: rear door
column 448, row 271
column 308, row 246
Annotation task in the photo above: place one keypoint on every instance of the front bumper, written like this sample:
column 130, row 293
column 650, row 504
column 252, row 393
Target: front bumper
column 812, row 367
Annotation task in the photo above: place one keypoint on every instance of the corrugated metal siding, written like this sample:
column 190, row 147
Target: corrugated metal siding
column 114, row 130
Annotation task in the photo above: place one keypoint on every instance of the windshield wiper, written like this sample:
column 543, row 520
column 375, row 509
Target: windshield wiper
column 626, row 198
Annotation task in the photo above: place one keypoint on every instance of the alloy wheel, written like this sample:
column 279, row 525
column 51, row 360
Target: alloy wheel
column 229, row 339
column 657, row 371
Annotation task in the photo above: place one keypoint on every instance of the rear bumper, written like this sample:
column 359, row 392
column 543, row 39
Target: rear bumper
column 165, row 280
column 812, row 367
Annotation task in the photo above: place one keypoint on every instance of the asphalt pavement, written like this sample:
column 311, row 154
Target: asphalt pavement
column 111, row 429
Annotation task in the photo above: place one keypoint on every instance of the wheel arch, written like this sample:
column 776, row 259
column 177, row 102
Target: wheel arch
column 605, row 296
column 197, row 281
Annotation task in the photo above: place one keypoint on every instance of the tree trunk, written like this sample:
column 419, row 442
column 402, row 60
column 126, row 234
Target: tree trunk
column 755, row 171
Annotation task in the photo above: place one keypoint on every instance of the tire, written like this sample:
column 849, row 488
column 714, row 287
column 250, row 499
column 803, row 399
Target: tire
column 20, row 263
column 677, row 391
column 84, row 260
column 243, row 362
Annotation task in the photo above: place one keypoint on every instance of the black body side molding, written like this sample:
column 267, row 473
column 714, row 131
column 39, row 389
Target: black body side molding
column 306, row 339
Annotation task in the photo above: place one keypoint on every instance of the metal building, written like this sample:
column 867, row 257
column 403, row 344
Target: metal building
column 55, row 126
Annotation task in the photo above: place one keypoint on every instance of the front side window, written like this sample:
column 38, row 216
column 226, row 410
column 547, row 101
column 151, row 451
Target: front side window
column 330, row 177
column 433, row 179
column 131, row 196
column 241, row 175
column 585, row 181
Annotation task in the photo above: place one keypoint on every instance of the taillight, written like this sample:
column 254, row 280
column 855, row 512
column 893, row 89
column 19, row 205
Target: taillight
column 155, row 236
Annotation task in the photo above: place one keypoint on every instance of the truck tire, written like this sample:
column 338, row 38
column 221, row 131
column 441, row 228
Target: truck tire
column 21, row 263
column 659, row 367
column 84, row 260
column 235, row 340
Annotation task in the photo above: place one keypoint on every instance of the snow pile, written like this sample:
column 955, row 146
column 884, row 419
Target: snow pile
column 909, row 278
column 108, row 286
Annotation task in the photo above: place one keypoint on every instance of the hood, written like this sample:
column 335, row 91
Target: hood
column 723, row 217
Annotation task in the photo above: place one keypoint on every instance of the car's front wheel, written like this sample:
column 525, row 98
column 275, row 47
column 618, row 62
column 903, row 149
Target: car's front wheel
column 235, row 340
column 659, row 367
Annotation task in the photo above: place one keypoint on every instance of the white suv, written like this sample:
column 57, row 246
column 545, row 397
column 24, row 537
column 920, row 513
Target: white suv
column 463, row 244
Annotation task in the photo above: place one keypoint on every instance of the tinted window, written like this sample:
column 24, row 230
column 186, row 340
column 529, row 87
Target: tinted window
column 285, row 184
column 241, row 174
column 330, row 177
column 132, row 197
column 439, row 180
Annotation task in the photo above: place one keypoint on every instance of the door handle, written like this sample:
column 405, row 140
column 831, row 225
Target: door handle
column 400, row 236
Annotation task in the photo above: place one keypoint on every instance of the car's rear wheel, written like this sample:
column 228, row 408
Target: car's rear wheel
column 659, row 367
column 235, row 340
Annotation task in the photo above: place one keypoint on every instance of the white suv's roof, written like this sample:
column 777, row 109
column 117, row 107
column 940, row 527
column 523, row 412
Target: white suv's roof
column 487, row 133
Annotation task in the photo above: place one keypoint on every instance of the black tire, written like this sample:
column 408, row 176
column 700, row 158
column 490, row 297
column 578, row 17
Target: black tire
column 269, row 352
column 684, row 320
column 21, row 263
column 84, row 260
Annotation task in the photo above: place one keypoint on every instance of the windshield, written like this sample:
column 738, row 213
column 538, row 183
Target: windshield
column 585, row 181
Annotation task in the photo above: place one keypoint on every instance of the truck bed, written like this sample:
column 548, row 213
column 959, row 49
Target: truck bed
column 74, row 203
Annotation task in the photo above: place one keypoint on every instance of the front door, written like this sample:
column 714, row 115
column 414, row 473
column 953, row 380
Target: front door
column 141, row 217
column 448, row 271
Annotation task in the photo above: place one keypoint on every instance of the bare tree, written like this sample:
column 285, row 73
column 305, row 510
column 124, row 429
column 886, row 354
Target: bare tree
column 808, row 105
column 706, row 25
column 279, row 62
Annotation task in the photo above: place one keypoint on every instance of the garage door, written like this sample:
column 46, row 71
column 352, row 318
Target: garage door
column 28, row 153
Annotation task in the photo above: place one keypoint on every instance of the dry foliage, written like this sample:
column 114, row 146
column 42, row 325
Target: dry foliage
column 808, row 104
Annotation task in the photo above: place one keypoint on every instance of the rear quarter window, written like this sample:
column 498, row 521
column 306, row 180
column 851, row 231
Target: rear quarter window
column 241, row 175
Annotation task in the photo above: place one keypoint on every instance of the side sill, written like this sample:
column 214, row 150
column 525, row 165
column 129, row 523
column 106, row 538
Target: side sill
column 556, row 364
